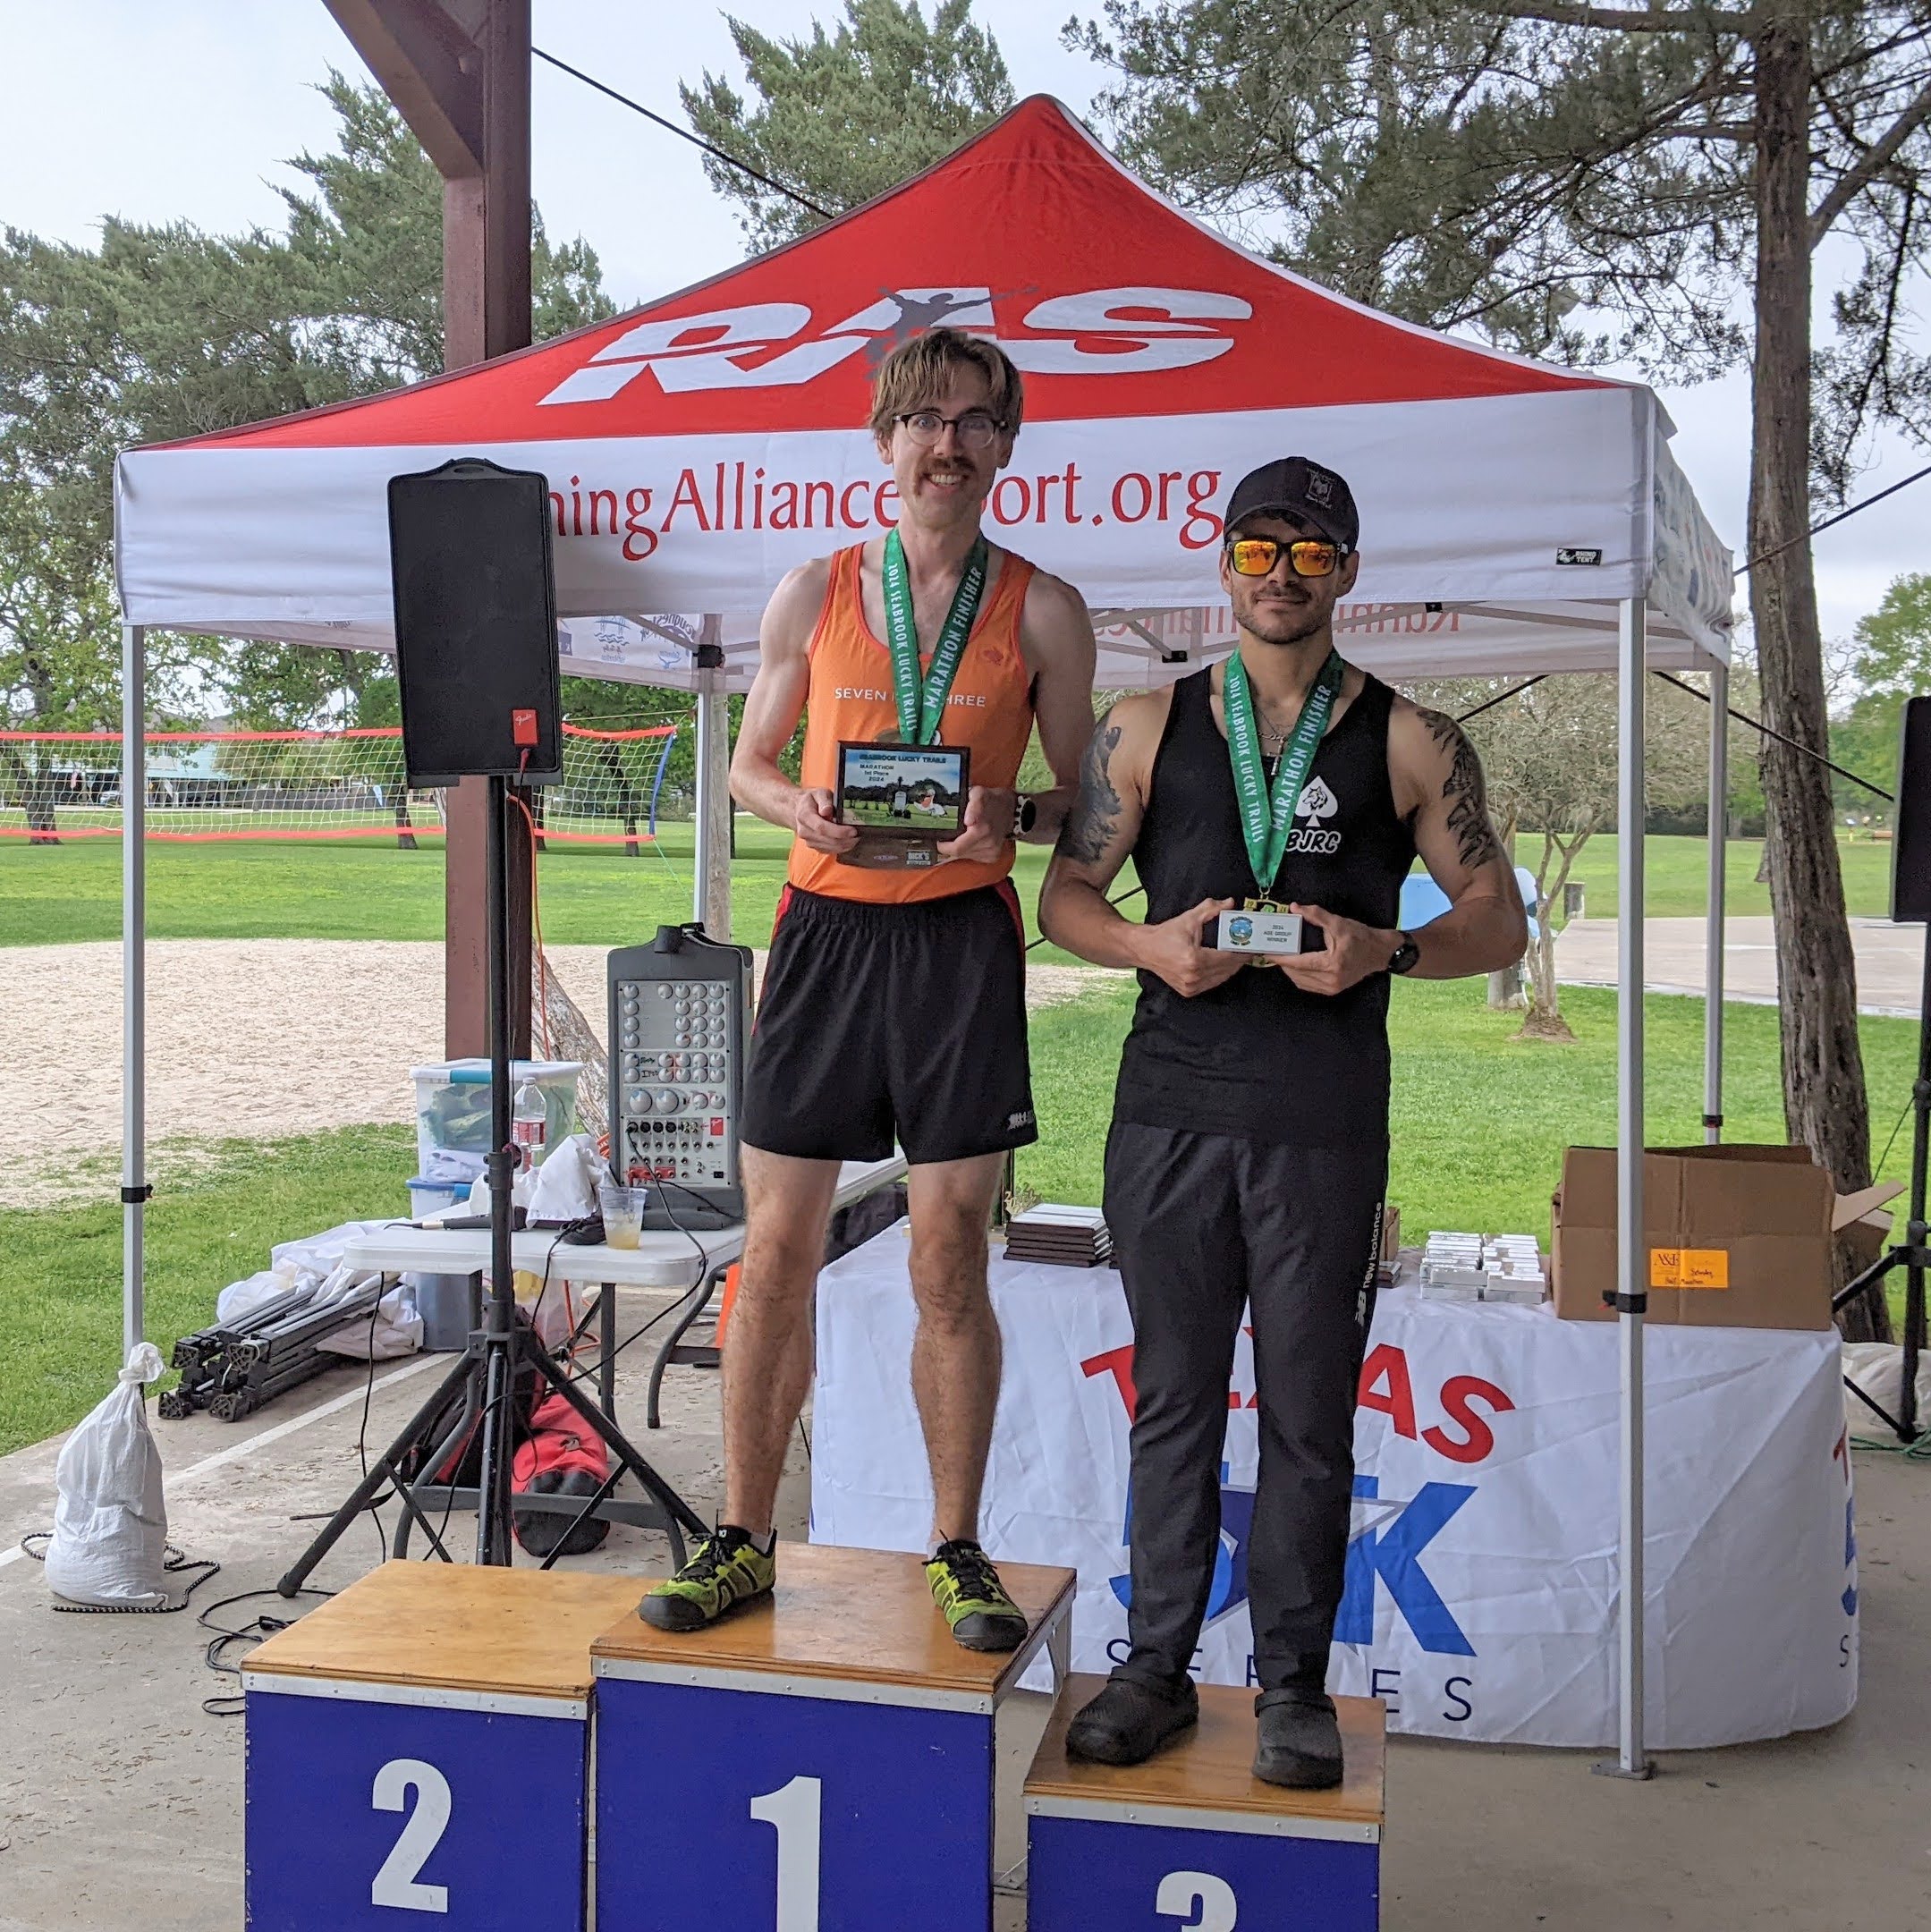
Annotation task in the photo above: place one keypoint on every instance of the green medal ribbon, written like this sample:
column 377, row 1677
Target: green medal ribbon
column 1265, row 821
column 922, row 707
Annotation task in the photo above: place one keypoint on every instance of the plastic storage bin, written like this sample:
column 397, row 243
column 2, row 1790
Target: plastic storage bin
column 452, row 1103
column 443, row 1301
column 434, row 1196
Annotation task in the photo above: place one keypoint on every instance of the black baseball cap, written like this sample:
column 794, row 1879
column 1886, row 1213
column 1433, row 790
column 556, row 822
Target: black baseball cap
column 1292, row 486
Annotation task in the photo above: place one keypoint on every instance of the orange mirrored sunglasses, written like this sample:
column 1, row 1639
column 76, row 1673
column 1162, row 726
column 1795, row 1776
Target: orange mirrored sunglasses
column 1308, row 557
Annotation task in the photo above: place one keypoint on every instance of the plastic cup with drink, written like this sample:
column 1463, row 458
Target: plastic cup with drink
column 623, row 1213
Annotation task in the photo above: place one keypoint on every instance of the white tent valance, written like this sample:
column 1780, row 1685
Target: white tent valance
column 698, row 449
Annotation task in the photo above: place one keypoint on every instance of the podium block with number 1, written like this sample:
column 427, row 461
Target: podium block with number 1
column 419, row 1752
column 820, row 1762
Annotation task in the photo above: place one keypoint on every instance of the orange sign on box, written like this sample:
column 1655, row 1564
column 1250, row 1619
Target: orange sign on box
column 1690, row 1268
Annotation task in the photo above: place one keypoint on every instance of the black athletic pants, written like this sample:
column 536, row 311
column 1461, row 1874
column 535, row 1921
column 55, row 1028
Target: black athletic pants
column 1206, row 1225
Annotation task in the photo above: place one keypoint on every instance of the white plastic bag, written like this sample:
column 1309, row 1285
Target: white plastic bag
column 1878, row 1367
column 564, row 1187
column 397, row 1329
column 241, row 1299
column 109, row 1544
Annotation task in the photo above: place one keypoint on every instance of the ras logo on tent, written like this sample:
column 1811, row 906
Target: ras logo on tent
column 773, row 344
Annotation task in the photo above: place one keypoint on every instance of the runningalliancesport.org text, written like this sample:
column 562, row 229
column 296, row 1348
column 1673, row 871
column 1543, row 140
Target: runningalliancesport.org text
column 736, row 496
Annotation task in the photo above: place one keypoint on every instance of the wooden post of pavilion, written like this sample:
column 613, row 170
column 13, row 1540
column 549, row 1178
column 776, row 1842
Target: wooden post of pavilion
column 458, row 71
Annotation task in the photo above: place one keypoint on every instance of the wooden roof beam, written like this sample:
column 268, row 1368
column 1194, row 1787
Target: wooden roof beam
column 431, row 68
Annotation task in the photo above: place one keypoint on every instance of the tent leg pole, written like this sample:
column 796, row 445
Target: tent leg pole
column 710, row 883
column 1632, row 1273
column 133, row 983
column 1715, row 916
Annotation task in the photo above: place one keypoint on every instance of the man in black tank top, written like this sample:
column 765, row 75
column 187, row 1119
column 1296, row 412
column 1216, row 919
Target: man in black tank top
column 1248, row 1155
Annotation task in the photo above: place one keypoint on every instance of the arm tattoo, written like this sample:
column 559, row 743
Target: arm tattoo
column 1463, row 790
column 1088, row 828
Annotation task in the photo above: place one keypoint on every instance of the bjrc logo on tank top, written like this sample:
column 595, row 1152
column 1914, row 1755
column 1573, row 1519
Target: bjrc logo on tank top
column 766, row 345
column 1317, row 803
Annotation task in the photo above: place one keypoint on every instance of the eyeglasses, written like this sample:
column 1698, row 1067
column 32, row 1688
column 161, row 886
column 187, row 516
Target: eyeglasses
column 975, row 429
column 1308, row 556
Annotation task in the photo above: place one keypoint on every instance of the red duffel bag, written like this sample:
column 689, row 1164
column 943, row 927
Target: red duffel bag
column 561, row 1457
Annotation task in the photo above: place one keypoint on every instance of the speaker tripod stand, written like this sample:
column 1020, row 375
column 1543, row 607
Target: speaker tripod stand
column 498, row 1352
column 1912, row 1254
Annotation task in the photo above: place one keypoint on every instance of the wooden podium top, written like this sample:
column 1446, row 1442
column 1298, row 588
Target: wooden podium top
column 849, row 1623
column 441, row 1626
column 1206, row 1779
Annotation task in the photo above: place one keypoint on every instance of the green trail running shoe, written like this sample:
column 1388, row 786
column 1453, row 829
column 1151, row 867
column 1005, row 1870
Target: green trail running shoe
column 967, row 1589
column 727, row 1569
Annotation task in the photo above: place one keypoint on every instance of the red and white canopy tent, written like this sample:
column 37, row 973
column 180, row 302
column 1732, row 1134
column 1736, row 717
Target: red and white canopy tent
column 1516, row 518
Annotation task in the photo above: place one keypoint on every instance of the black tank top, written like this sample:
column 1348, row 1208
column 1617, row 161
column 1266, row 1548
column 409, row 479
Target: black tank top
column 1258, row 1056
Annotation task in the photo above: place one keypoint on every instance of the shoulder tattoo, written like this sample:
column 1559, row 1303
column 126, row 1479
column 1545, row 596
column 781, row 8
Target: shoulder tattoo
column 1464, row 792
column 1088, row 828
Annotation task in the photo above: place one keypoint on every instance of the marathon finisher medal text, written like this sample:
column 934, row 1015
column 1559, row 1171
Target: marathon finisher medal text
column 1267, row 820
column 921, row 701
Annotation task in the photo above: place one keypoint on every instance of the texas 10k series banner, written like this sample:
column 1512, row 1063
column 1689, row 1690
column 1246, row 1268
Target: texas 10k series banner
column 1481, row 1578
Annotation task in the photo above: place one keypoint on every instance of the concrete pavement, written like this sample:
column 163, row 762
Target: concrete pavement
column 121, row 1800
column 1890, row 959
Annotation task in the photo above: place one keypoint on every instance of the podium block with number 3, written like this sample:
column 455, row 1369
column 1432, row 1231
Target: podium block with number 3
column 418, row 1749
column 820, row 1762
column 1192, row 1842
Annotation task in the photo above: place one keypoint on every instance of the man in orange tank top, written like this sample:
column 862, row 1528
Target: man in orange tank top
column 893, row 1001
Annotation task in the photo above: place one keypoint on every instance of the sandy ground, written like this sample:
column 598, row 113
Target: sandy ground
column 245, row 1038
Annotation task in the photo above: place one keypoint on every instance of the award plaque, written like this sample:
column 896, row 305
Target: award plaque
column 1257, row 930
column 904, row 799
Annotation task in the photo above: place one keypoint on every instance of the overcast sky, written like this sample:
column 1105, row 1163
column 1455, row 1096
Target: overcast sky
column 183, row 110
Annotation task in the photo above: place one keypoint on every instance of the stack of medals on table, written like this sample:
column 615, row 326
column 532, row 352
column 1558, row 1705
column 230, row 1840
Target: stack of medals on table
column 1059, row 1236
column 1483, row 1267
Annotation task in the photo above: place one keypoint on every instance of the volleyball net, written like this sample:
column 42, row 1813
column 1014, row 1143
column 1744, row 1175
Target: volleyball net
column 206, row 785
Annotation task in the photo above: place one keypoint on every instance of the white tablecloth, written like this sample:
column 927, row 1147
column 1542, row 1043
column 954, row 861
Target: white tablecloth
column 1482, row 1573
column 663, row 1258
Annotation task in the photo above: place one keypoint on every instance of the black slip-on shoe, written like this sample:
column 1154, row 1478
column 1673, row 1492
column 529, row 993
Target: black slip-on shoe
column 1128, row 1720
column 1299, row 1741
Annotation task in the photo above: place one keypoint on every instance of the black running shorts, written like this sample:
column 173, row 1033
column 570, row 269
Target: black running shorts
column 884, row 1020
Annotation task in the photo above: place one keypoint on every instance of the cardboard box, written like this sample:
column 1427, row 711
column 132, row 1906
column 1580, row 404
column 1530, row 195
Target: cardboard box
column 1738, row 1237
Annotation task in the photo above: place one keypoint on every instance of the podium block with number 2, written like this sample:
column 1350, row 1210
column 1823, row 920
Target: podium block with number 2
column 418, row 1752
column 825, row 1755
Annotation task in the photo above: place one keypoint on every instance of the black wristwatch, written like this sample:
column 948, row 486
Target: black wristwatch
column 1025, row 814
column 1402, row 959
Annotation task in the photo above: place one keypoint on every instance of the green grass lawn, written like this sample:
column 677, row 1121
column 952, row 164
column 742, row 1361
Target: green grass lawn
column 596, row 896
column 1479, row 1123
column 1479, row 1119
column 1676, row 874
column 64, row 1264
column 600, row 897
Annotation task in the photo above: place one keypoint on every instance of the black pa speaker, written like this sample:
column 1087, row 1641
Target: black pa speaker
column 1910, row 842
column 475, row 624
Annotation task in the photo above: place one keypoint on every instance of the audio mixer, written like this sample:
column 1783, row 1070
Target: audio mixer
column 679, row 1020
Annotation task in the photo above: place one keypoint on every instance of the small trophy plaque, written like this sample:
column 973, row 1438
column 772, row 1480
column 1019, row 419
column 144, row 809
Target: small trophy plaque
column 904, row 800
column 1265, row 931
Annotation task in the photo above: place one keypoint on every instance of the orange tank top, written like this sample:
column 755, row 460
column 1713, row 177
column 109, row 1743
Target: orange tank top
column 989, row 710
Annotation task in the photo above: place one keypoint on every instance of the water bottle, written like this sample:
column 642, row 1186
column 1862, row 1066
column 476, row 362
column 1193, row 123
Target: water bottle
column 529, row 1125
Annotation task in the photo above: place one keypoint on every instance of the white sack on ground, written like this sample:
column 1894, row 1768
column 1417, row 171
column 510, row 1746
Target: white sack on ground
column 1878, row 1367
column 109, row 1544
